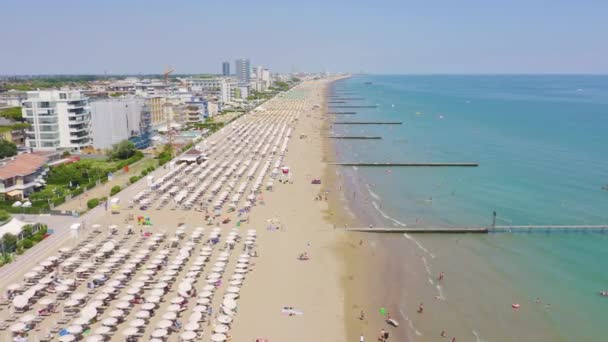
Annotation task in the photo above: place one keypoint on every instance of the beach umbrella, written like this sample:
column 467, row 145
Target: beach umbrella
column 137, row 323
column 130, row 331
column 195, row 317
column 81, row 321
column 46, row 301
column 123, row 305
column 103, row 330
column 127, row 298
column 148, row 306
column 236, row 282
column 116, row 313
column 202, row 301
column 185, row 287
column 159, row 333
column 142, row 314
column 233, row 289
column 157, row 292
column 229, row 303
column 27, row 318
column 208, row 288
column 74, row 329
column 169, row 316
column 133, row 290
column 205, row 294
column 224, row 319
column 78, row 296
column 61, row 288
column 382, row 311
column 188, row 336
column 30, row 275
column 71, row 303
column 102, row 296
column 173, row 308
column 13, row 287
column 67, row 338
column 177, row 300
column 164, row 324
column 218, row 337
column 17, row 327
column 200, row 308
column 153, row 299
column 95, row 338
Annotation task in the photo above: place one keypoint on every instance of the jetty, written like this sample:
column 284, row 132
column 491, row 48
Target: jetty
column 336, row 101
column 430, row 230
column 352, row 137
column 484, row 230
column 348, row 106
column 391, row 164
column 367, row 123
column 342, row 113
column 336, row 97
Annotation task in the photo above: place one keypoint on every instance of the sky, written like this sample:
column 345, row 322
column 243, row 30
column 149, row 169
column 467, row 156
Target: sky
column 373, row 36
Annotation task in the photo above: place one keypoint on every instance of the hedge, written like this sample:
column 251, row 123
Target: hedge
column 115, row 189
column 92, row 203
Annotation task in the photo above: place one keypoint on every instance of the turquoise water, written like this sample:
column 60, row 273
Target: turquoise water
column 542, row 146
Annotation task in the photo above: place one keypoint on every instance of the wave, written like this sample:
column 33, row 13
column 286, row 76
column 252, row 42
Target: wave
column 371, row 193
column 397, row 222
column 422, row 248
column 410, row 323
column 477, row 337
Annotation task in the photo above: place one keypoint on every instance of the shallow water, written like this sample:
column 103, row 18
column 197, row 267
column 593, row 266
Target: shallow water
column 541, row 143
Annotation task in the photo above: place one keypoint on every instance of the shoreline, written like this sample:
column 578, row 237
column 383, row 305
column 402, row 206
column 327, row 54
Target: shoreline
column 361, row 255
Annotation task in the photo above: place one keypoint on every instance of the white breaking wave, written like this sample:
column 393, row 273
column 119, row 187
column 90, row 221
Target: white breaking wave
column 371, row 193
column 477, row 337
column 422, row 248
column 399, row 223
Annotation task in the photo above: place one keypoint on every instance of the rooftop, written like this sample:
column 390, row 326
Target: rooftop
column 21, row 165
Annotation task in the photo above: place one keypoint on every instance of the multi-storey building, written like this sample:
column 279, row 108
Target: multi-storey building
column 59, row 119
column 226, row 69
column 223, row 89
column 243, row 71
column 118, row 119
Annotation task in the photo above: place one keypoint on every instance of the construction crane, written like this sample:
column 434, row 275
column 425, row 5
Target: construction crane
column 168, row 70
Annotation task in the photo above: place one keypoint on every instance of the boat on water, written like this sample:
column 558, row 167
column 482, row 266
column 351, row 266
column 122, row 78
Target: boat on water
column 605, row 187
column 367, row 83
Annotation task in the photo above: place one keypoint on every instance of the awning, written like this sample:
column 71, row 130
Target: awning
column 14, row 193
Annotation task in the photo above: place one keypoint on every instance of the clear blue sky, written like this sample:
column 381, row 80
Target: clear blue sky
column 376, row 36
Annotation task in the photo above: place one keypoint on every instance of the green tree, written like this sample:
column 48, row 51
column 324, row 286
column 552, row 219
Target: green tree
column 13, row 113
column 115, row 189
column 28, row 231
column 27, row 243
column 92, row 203
column 9, row 243
column 123, row 150
column 4, row 215
column 7, row 149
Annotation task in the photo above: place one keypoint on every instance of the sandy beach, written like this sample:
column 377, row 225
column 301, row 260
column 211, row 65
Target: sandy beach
column 282, row 298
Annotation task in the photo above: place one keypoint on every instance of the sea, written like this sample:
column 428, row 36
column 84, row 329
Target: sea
column 541, row 142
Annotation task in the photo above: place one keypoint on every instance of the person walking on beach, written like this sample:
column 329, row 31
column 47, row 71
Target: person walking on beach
column 420, row 308
column 361, row 338
column 441, row 276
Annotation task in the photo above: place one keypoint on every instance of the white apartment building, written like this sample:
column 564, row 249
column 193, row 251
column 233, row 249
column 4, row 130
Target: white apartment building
column 60, row 119
column 223, row 88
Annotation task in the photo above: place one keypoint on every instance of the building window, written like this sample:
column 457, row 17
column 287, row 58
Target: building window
column 62, row 96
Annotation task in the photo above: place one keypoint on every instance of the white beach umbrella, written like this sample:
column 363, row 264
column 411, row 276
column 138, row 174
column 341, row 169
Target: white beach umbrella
column 95, row 338
column 137, row 323
column 159, row 333
column 27, row 318
column 109, row 322
column 123, row 305
column 74, row 329
column 116, row 313
column 153, row 299
column 169, row 315
column 129, row 331
column 67, row 338
column 200, row 308
column 218, row 337
column 188, row 336
column 205, row 294
column 164, row 324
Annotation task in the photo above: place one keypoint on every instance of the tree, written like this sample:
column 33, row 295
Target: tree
column 13, row 113
column 92, row 203
column 28, row 231
column 9, row 243
column 123, row 150
column 7, row 149
column 115, row 189
column 4, row 215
